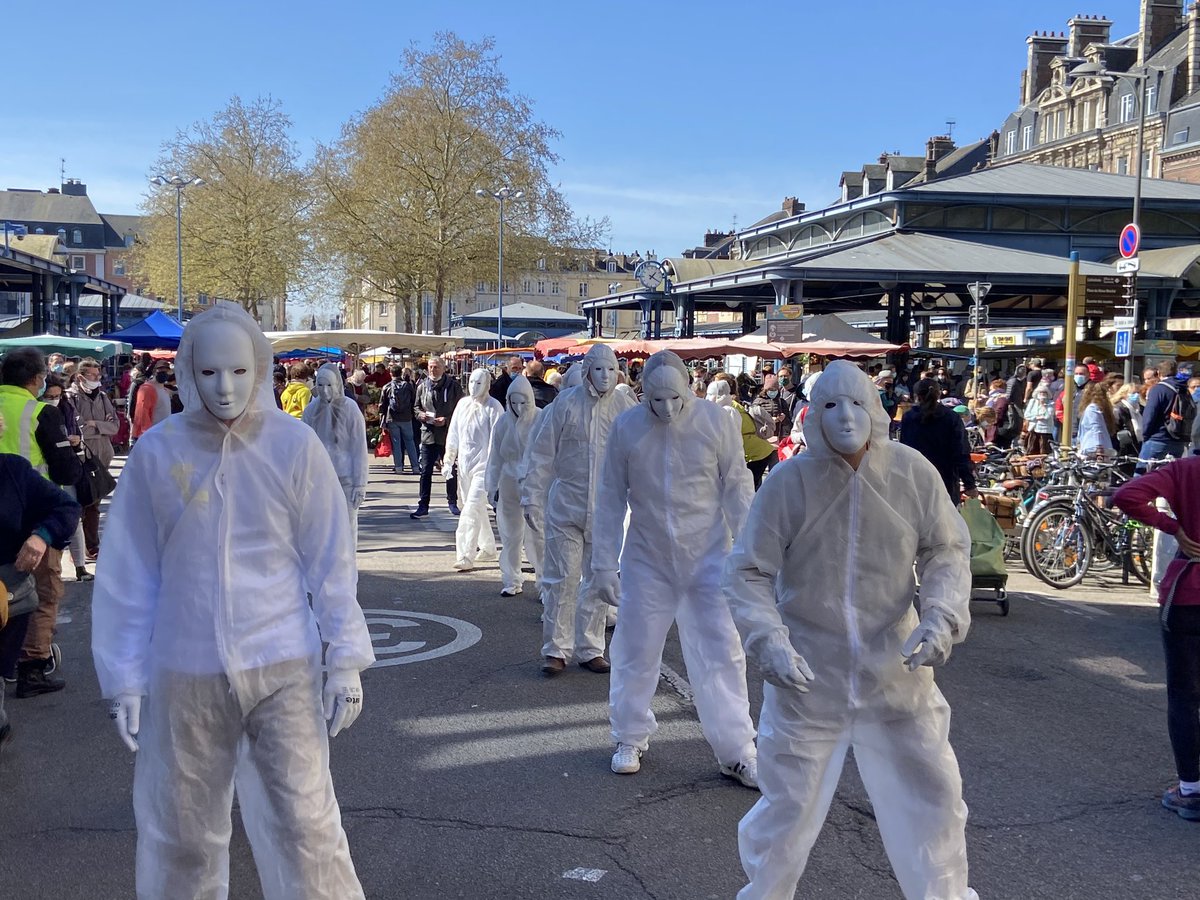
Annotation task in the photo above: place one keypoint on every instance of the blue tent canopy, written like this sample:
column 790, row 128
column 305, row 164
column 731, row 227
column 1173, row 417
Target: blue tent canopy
column 156, row 331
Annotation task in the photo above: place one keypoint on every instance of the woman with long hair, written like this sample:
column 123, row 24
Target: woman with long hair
column 1097, row 424
column 940, row 436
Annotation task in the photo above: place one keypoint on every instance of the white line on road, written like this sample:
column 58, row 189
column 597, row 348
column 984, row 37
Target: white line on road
column 678, row 683
column 581, row 874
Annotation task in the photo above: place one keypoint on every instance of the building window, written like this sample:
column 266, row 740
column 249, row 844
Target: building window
column 1010, row 143
column 119, row 267
column 541, row 264
column 541, row 287
column 555, row 287
column 1180, row 137
column 1122, row 166
column 1127, row 108
column 1026, row 137
column 1152, row 98
column 129, row 240
column 554, row 306
column 526, row 287
column 481, row 287
column 381, row 310
column 583, row 289
column 610, row 266
column 427, row 310
column 76, row 236
column 79, row 263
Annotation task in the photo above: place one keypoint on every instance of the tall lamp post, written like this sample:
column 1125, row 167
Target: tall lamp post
column 505, row 193
column 178, row 182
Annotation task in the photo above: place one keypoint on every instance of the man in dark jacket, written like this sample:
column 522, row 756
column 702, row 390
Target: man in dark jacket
column 512, row 369
column 35, row 431
column 397, row 402
column 1157, row 443
column 543, row 394
column 437, row 396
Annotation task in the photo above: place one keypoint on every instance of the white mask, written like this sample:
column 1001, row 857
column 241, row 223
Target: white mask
column 329, row 386
column 53, row 402
column 223, row 366
column 518, row 403
column 89, row 386
column 666, row 403
column 603, row 377
column 846, row 424
column 718, row 393
column 480, row 382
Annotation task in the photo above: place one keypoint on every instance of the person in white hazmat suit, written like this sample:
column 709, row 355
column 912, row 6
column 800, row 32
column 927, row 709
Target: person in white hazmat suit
column 677, row 464
column 718, row 393
column 558, row 484
column 339, row 424
column 821, row 577
column 226, row 519
column 510, row 437
column 469, row 443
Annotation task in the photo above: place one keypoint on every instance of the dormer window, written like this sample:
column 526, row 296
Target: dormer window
column 77, row 236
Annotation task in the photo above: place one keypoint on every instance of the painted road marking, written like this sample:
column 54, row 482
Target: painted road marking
column 581, row 874
column 392, row 652
column 678, row 683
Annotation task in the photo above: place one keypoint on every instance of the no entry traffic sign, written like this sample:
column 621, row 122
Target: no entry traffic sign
column 1131, row 239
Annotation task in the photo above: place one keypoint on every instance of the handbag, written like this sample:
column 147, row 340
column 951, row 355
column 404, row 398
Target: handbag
column 987, row 540
column 20, row 591
column 98, row 481
column 384, row 448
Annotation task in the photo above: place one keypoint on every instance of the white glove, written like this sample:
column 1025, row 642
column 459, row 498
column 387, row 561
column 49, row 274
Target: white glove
column 448, row 464
column 532, row 515
column 934, row 638
column 782, row 666
column 343, row 698
column 126, row 713
column 606, row 585
column 357, row 496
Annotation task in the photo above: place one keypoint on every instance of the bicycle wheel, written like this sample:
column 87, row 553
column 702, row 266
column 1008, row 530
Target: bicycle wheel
column 1141, row 552
column 1060, row 548
column 1027, row 533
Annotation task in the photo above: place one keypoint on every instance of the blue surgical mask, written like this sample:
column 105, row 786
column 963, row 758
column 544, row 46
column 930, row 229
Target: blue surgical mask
column 1196, row 395
column 1081, row 380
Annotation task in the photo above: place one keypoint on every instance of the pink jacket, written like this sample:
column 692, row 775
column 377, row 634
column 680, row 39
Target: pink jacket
column 1178, row 484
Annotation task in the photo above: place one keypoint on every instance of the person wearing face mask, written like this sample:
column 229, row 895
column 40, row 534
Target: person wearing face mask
column 558, row 475
column 769, row 404
column 153, row 400
column 97, row 420
column 35, row 431
column 206, row 640
column 510, row 438
column 1080, row 377
column 339, row 424
column 56, row 396
column 675, row 463
column 820, row 583
column 469, row 444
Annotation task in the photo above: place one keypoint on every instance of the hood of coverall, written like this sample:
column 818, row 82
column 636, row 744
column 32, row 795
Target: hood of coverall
column 263, row 399
column 520, row 387
column 718, row 392
column 574, row 376
column 665, row 370
column 602, row 354
column 479, row 384
column 843, row 379
column 333, row 420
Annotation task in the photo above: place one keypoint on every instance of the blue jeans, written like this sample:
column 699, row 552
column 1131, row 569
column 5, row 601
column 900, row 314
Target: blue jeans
column 403, row 442
column 1156, row 448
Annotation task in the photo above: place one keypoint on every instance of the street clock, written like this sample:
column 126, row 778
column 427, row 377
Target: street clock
column 650, row 274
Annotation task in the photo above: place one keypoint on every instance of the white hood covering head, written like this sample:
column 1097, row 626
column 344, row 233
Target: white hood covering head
column 842, row 380
column 665, row 370
column 601, row 354
column 574, row 376
column 480, row 383
column 718, row 392
column 520, row 388
column 335, row 421
column 263, row 399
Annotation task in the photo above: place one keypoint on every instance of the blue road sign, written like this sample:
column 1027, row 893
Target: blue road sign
column 1131, row 239
column 1124, row 342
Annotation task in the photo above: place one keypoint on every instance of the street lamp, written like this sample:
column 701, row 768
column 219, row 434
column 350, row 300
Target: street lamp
column 179, row 183
column 505, row 193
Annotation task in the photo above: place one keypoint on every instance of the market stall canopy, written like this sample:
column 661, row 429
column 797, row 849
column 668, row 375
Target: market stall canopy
column 68, row 346
column 354, row 340
column 157, row 331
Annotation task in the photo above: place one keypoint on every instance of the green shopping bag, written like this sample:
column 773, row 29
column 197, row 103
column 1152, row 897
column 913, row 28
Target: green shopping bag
column 987, row 539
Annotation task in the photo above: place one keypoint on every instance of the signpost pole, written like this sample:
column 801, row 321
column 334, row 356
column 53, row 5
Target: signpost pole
column 1133, row 302
column 1069, row 363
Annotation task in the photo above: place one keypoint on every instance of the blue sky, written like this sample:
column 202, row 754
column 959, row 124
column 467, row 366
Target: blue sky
column 676, row 117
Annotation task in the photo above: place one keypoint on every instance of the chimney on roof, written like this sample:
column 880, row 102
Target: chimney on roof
column 1043, row 48
column 1159, row 20
column 73, row 187
column 936, row 148
column 1193, row 48
column 1084, row 30
column 792, row 206
column 51, row 190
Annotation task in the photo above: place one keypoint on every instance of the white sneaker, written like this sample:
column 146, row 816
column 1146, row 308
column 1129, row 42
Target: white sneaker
column 487, row 556
column 464, row 565
column 744, row 772
column 627, row 759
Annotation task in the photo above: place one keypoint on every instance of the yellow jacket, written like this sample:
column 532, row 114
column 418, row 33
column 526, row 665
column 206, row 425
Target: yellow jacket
column 295, row 397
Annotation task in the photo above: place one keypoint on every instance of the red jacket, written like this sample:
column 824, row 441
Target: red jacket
column 1178, row 484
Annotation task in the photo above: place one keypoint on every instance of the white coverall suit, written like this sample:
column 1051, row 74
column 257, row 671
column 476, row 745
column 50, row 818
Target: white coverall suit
column 340, row 426
column 558, row 475
column 825, row 560
column 687, row 487
column 509, row 440
column 469, row 443
column 216, row 538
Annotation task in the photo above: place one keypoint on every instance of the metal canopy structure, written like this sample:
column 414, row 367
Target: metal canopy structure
column 914, row 250
column 54, row 291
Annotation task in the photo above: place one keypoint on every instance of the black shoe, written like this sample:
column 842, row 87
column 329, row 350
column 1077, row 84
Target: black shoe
column 419, row 513
column 5, row 734
column 82, row 574
column 33, row 680
column 454, row 510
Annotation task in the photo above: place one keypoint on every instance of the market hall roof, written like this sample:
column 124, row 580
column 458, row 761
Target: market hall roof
column 1055, row 181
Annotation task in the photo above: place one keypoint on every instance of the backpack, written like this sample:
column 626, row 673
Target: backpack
column 764, row 425
column 1181, row 416
column 1013, row 420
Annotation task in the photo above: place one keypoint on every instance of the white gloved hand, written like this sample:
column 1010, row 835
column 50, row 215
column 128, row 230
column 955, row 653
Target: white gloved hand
column 606, row 585
column 357, row 496
column 126, row 713
column 782, row 666
column 343, row 698
column 934, row 639
column 532, row 515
